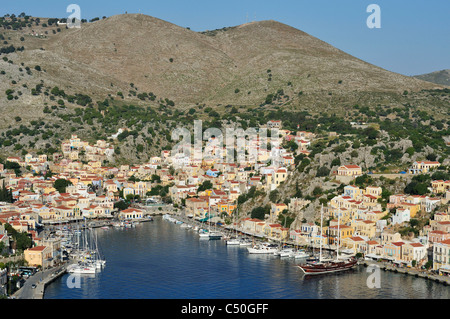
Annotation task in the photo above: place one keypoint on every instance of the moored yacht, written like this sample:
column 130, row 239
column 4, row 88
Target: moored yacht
column 233, row 241
column 286, row 252
column 265, row 248
column 214, row 235
column 300, row 254
column 82, row 269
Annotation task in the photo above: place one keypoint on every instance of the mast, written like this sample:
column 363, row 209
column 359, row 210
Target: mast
column 209, row 215
column 339, row 234
column 321, row 230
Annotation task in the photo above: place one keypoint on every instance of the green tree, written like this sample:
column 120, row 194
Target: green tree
column 156, row 178
column 61, row 184
column 273, row 196
column 121, row 205
column 317, row 191
column 204, row 186
column 323, row 171
column 258, row 212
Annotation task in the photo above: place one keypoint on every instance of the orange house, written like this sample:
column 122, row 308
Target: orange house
column 226, row 207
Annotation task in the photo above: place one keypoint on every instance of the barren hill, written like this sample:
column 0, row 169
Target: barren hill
column 255, row 58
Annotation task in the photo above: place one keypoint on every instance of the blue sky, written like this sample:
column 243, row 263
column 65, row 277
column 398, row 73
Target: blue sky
column 414, row 37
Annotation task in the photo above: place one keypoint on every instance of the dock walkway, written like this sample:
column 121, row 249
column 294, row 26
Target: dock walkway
column 409, row 271
column 40, row 279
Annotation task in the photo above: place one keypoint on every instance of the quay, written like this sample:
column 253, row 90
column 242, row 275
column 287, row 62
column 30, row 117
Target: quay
column 40, row 280
column 443, row 279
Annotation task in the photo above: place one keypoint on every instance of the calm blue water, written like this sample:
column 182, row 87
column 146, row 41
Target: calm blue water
column 160, row 260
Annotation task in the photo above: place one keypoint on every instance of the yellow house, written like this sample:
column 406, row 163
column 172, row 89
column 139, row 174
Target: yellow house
column 73, row 180
column 440, row 186
column 263, row 157
column 349, row 170
column 276, row 210
column 48, row 190
column 374, row 216
column 141, row 188
column 111, row 187
column 344, row 214
column 131, row 213
column 352, row 191
column 413, row 208
column 47, row 214
column 73, row 155
column 370, row 200
column 38, row 256
column 95, row 164
column 317, row 239
column 365, row 228
column 231, row 176
column 259, row 228
column 388, row 236
column 280, row 176
column 64, row 212
column 273, row 231
column 374, row 191
column 393, row 250
column 423, row 166
column 342, row 231
column 355, row 243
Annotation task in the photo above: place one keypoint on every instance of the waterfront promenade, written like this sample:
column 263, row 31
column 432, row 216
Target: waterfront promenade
column 39, row 280
column 385, row 266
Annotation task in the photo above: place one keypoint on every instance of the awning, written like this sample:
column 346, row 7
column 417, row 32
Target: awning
column 445, row 269
column 373, row 256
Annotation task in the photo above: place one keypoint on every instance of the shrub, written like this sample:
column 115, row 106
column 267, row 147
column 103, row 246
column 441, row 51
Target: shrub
column 323, row 171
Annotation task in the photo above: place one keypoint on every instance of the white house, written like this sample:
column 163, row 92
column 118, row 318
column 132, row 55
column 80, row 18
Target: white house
column 401, row 216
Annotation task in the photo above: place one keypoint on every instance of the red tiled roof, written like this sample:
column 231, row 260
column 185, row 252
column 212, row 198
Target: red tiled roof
column 37, row 248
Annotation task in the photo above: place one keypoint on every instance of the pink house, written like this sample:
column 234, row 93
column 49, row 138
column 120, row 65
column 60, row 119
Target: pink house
column 437, row 236
column 393, row 250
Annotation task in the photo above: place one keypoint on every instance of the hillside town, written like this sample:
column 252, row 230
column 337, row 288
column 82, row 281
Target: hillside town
column 74, row 186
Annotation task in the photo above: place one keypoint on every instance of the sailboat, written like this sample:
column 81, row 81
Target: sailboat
column 213, row 235
column 97, row 259
column 282, row 250
column 234, row 241
column 328, row 266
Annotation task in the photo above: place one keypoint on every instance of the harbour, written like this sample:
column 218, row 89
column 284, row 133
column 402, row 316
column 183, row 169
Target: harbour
column 162, row 260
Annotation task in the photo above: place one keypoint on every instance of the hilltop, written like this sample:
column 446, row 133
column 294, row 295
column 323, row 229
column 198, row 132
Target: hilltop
column 439, row 77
